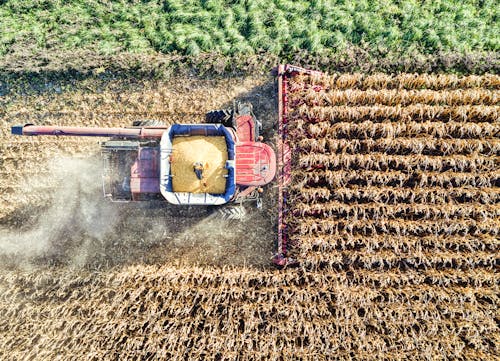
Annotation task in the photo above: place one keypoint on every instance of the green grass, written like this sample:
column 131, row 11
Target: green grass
column 397, row 28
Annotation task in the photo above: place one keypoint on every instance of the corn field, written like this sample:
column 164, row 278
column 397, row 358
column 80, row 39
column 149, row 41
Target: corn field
column 393, row 215
column 382, row 163
column 399, row 176
column 160, row 312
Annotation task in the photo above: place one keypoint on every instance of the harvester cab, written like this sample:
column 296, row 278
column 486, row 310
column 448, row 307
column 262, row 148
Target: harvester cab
column 218, row 162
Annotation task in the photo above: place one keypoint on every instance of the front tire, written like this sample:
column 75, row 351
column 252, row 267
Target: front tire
column 220, row 116
column 229, row 213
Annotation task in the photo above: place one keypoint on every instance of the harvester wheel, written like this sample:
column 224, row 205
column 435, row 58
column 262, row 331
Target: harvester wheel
column 220, row 116
column 229, row 213
column 147, row 123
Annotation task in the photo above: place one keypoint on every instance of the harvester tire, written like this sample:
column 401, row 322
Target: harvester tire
column 230, row 213
column 147, row 123
column 220, row 116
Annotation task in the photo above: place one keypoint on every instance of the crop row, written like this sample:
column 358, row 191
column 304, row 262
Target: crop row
column 416, row 146
column 383, row 113
column 397, row 178
column 384, row 260
column 397, row 195
column 371, row 130
column 395, row 97
column 376, row 211
column 408, row 163
column 163, row 283
column 400, row 81
column 396, row 227
column 403, row 246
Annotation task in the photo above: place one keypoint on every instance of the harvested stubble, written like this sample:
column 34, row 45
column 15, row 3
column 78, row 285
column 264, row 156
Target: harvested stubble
column 227, row 314
column 209, row 151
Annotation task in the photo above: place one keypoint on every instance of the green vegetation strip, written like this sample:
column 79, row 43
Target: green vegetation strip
column 36, row 34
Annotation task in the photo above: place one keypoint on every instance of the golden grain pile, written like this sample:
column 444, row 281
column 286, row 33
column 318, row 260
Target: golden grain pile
column 395, row 219
column 211, row 152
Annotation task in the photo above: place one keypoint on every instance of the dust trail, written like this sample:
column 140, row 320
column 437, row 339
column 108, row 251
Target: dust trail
column 75, row 208
column 78, row 228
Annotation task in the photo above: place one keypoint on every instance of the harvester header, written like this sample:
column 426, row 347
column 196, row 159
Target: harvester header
column 284, row 74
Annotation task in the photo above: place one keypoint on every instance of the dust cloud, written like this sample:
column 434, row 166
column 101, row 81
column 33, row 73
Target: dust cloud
column 74, row 208
column 78, row 228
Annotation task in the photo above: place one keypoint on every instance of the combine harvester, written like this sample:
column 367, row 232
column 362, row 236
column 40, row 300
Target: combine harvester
column 220, row 162
column 215, row 163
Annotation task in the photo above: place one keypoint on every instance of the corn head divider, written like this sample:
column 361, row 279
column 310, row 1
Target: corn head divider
column 284, row 161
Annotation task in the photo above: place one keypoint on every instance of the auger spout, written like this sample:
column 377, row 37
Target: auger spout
column 132, row 133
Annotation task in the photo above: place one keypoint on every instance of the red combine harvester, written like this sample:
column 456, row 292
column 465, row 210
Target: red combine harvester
column 139, row 161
